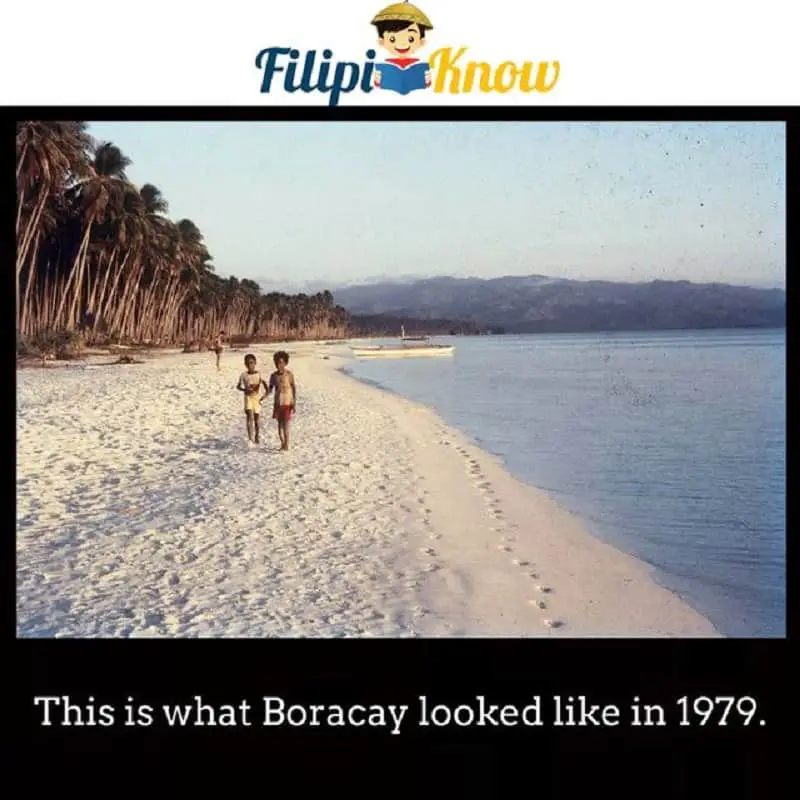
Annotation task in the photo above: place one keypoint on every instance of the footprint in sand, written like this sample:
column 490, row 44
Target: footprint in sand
column 538, row 603
column 429, row 551
column 504, row 547
column 543, row 589
column 432, row 567
column 519, row 562
column 553, row 623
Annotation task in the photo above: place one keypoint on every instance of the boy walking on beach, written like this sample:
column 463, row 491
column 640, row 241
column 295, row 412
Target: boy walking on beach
column 219, row 344
column 250, row 382
column 282, row 382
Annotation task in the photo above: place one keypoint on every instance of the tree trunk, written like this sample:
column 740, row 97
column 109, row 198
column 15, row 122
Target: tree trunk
column 32, row 275
column 123, row 310
column 100, row 287
column 106, row 299
column 30, row 228
column 73, row 273
column 79, row 284
column 148, row 298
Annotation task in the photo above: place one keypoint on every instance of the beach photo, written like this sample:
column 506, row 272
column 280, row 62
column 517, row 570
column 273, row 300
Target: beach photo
column 400, row 379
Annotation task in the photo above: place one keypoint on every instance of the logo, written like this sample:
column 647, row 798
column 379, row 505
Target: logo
column 403, row 30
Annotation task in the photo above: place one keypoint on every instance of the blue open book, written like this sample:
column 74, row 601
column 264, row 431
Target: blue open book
column 403, row 79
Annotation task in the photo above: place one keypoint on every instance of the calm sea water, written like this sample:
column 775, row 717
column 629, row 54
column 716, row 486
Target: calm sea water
column 670, row 446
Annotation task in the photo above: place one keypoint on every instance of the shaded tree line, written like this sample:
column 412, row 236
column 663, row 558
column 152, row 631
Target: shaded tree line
column 98, row 257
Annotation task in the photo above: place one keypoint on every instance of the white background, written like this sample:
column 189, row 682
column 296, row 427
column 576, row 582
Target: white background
column 175, row 52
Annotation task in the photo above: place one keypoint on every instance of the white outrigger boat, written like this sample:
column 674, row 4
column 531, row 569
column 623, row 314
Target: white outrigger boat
column 404, row 351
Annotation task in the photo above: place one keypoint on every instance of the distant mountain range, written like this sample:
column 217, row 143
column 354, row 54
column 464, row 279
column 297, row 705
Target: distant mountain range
column 537, row 303
column 312, row 287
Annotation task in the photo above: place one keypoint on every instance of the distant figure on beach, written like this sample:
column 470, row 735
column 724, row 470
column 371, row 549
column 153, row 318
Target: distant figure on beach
column 250, row 382
column 282, row 382
column 219, row 345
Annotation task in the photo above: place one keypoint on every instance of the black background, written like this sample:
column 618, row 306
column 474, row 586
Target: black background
column 308, row 671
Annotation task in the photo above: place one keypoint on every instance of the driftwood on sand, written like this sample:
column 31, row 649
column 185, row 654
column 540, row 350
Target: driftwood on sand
column 126, row 360
column 50, row 362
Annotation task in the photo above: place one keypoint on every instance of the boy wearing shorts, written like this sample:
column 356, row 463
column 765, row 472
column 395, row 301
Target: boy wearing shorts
column 282, row 383
column 250, row 382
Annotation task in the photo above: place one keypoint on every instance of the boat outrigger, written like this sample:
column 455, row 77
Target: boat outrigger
column 404, row 351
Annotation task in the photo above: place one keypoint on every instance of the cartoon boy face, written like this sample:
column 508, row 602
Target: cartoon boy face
column 404, row 42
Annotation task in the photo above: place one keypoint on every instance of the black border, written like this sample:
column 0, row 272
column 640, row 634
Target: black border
column 610, row 670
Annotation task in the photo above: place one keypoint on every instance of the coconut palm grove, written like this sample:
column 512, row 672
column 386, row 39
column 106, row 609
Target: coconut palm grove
column 100, row 261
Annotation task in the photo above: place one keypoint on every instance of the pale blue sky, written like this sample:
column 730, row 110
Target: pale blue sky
column 344, row 202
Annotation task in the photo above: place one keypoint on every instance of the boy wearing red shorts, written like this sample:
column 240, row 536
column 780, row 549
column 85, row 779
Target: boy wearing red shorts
column 282, row 383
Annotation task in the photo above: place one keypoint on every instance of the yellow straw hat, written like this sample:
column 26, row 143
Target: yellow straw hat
column 402, row 12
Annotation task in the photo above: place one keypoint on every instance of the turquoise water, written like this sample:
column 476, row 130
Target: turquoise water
column 670, row 446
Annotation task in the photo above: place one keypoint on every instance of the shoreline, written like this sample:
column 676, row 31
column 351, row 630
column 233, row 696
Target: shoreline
column 499, row 488
column 382, row 521
column 661, row 581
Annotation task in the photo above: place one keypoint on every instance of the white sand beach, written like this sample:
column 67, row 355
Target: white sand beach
column 141, row 511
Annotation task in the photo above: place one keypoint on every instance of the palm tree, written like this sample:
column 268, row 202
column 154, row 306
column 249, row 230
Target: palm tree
column 97, row 253
column 91, row 199
column 154, row 236
column 50, row 155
